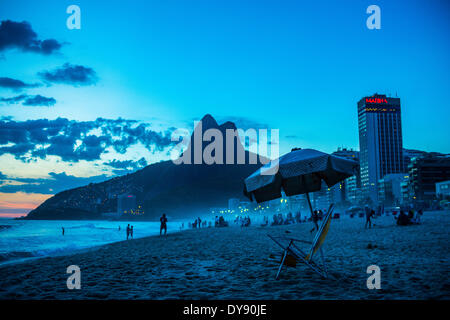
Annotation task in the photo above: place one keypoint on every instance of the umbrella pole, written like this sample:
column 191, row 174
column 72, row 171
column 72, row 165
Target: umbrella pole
column 309, row 203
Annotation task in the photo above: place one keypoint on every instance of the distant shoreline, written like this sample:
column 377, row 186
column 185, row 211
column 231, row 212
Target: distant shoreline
column 234, row 263
column 22, row 255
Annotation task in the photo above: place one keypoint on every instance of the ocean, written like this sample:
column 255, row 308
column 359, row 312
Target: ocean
column 29, row 239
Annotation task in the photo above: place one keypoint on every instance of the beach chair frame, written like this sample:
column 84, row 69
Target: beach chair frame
column 320, row 267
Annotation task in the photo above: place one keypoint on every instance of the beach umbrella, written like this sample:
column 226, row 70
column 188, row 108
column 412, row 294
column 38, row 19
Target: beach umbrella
column 298, row 172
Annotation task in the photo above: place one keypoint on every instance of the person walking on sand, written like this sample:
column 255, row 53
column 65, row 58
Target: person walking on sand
column 199, row 222
column 315, row 218
column 369, row 214
column 63, row 230
column 128, row 231
column 131, row 232
column 163, row 220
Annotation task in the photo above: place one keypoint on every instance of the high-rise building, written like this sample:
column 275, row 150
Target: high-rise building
column 349, row 189
column 425, row 172
column 390, row 189
column 380, row 141
column 443, row 189
column 409, row 154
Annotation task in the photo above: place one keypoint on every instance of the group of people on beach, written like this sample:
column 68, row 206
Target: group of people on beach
column 218, row 222
column 129, row 231
column 163, row 226
column 278, row 220
column 243, row 221
column 198, row 223
column 404, row 219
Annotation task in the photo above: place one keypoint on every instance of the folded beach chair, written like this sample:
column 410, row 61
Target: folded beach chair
column 293, row 251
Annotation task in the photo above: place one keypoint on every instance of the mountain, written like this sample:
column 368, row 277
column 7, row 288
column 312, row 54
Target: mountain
column 179, row 190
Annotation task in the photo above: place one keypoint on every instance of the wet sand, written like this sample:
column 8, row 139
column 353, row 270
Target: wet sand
column 234, row 263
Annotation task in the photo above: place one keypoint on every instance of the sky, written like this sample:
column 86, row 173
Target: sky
column 80, row 106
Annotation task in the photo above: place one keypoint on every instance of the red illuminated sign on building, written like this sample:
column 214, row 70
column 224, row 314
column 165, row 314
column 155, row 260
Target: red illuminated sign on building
column 376, row 100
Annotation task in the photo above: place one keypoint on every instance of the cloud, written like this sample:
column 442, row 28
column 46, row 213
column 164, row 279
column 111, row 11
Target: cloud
column 75, row 75
column 18, row 150
column 126, row 166
column 39, row 100
column 27, row 100
column 15, row 84
column 73, row 141
column 14, row 100
column 55, row 183
column 20, row 35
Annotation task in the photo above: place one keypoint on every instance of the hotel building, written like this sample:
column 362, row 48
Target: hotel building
column 380, row 141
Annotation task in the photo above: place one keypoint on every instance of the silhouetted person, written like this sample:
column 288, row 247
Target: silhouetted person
column 369, row 214
column 119, row 228
column 63, row 230
column 131, row 232
column 163, row 220
column 402, row 219
column 274, row 218
column 315, row 218
column 289, row 218
column 128, row 231
column 280, row 219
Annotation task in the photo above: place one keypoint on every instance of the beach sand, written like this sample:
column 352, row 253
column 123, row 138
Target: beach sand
column 233, row 263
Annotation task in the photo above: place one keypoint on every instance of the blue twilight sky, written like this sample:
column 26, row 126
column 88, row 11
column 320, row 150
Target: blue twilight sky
column 296, row 66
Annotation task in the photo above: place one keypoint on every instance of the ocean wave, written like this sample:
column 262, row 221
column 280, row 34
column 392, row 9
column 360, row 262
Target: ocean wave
column 14, row 255
column 83, row 226
column 91, row 226
column 4, row 227
column 17, row 255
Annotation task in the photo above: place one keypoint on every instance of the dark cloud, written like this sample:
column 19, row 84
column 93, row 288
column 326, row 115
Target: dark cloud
column 20, row 35
column 39, row 100
column 70, row 74
column 18, row 150
column 15, row 84
column 55, row 183
column 27, row 100
column 14, row 100
column 73, row 141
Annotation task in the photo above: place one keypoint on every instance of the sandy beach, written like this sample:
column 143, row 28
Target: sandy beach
column 234, row 263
